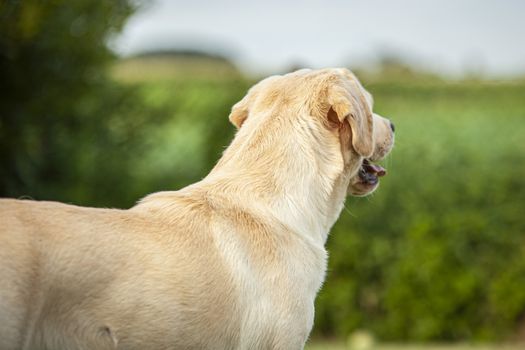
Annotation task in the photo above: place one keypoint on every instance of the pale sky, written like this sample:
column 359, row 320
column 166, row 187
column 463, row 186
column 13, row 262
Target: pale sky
column 447, row 36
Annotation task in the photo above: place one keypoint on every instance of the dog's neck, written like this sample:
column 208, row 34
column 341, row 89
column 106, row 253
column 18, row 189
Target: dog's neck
column 290, row 169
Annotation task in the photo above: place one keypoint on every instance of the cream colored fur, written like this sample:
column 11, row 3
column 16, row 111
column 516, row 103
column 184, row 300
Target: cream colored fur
column 231, row 262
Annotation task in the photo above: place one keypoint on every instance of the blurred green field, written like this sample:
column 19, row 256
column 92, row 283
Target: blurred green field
column 439, row 252
column 341, row 346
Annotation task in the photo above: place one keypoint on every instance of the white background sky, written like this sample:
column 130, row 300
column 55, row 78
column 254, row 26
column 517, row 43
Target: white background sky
column 448, row 36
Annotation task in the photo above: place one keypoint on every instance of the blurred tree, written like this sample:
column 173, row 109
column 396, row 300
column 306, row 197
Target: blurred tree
column 55, row 92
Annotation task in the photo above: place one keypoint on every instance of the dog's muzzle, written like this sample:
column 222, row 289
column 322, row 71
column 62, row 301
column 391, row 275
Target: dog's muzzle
column 370, row 173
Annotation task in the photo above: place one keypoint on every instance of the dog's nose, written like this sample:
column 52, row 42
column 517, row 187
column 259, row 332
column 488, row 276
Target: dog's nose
column 392, row 126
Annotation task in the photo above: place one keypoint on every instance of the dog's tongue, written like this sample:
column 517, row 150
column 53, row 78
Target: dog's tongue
column 374, row 169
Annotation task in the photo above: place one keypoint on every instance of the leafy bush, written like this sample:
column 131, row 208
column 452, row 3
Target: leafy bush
column 438, row 253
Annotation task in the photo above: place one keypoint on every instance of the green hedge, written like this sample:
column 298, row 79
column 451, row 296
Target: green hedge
column 438, row 253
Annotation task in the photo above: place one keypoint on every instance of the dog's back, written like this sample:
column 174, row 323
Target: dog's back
column 54, row 267
column 72, row 275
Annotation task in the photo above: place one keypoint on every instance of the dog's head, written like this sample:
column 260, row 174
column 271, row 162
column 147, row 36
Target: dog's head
column 339, row 108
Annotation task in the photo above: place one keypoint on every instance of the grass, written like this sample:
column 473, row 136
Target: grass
column 408, row 346
column 156, row 69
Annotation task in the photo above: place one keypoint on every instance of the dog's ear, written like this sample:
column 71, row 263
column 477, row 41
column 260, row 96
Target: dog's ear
column 349, row 104
column 239, row 112
column 241, row 109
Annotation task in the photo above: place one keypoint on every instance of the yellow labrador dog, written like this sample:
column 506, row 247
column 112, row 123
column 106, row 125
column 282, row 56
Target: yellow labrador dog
column 231, row 262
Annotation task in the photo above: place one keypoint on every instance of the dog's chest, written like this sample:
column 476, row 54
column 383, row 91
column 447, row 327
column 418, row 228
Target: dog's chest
column 276, row 283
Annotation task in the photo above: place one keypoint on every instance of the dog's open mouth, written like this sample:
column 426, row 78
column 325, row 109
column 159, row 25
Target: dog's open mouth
column 370, row 173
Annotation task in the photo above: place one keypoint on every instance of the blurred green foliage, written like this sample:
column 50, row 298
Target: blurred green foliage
column 437, row 253
column 61, row 118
